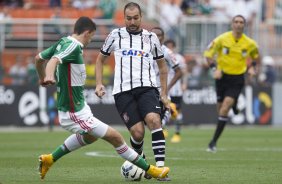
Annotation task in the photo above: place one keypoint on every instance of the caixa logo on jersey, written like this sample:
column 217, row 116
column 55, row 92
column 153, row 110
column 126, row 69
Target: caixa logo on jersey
column 137, row 53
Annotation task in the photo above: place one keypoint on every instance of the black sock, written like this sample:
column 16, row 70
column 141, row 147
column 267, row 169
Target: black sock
column 158, row 145
column 222, row 120
column 137, row 146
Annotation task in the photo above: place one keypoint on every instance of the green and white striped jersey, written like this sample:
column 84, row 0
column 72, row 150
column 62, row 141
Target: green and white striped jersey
column 70, row 73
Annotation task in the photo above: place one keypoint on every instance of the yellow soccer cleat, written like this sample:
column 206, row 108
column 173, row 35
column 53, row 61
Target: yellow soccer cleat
column 174, row 112
column 175, row 138
column 158, row 172
column 165, row 132
column 45, row 162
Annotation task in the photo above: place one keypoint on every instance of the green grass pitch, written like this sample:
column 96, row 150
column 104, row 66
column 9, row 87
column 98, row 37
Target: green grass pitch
column 246, row 155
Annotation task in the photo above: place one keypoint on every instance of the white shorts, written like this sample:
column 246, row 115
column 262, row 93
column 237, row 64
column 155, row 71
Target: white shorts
column 82, row 122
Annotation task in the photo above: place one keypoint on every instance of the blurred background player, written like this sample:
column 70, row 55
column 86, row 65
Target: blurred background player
column 232, row 49
column 135, row 93
column 66, row 61
column 176, row 92
column 174, row 75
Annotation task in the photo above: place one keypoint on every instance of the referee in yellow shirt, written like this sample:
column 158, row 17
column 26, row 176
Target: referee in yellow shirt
column 227, row 56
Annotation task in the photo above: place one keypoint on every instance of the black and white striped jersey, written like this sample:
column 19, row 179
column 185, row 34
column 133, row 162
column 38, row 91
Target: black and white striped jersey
column 171, row 62
column 135, row 54
column 176, row 89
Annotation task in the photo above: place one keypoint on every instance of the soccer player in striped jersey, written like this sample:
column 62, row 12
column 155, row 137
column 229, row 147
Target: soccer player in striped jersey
column 135, row 90
column 65, row 60
column 176, row 92
column 174, row 74
column 230, row 51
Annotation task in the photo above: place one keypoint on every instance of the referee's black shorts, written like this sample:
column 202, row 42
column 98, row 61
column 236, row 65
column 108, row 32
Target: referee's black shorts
column 135, row 104
column 229, row 85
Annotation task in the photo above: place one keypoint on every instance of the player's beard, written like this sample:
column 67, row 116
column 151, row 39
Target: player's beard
column 133, row 28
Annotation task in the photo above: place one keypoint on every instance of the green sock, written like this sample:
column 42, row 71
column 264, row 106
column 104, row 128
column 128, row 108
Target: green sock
column 59, row 152
column 141, row 162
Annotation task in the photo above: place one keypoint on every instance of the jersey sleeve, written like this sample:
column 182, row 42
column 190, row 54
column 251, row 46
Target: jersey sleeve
column 49, row 52
column 68, row 52
column 157, row 51
column 108, row 45
column 212, row 48
column 254, row 51
column 170, row 58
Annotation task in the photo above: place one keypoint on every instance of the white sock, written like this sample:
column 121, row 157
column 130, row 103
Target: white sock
column 74, row 142
column 126, row 152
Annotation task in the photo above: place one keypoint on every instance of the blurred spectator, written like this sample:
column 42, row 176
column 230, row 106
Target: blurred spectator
column 32, row 77
column 58, row 29
column 170, row 21
column 205, row 8
column 277, row 15
column 108, row 7
column 5, row 14
column 220, row 9
column 2, row 71
column 84, row 4
column 14, row 3
column 189, row 7
column 18, row 72
column 268, row 73
column 55, row 3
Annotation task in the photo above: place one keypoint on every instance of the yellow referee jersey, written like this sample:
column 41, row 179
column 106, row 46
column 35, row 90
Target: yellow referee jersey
column 232, row 54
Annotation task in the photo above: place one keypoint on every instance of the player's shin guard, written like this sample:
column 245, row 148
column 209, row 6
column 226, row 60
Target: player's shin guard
column 158, row 145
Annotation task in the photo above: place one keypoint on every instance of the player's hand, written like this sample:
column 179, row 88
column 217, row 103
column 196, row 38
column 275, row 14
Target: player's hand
column 165, row 101
column 100, row 90
column 47, row 82
column 217, row 74
column 252, row 72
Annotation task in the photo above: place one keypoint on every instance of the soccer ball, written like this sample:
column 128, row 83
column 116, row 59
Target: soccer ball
column 131, row 172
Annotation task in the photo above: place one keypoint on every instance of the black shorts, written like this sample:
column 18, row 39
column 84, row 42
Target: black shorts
column 177, row 100
column 135, row 104
column 229, row 85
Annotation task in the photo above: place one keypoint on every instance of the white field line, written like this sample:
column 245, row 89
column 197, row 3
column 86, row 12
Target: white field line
column 112, row 155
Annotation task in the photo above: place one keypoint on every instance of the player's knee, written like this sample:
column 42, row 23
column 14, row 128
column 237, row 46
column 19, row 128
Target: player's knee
column 113, row 137
column 89, row 139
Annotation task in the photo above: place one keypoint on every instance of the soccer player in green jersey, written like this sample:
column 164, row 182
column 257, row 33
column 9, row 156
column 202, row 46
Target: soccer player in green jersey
column 65, row 68
column 227, row 56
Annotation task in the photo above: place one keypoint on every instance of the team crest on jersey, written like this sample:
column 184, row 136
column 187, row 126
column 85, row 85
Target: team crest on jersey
column 132, row 52
column 225, row 50
column 58, row 48
column 125, row 117
column 244, row 52
column 146, row 39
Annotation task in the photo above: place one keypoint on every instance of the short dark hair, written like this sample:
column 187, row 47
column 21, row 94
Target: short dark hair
column 158, row 28
column 131, row 5
column 241, row 16
column 170, row 41
column 84, row 24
